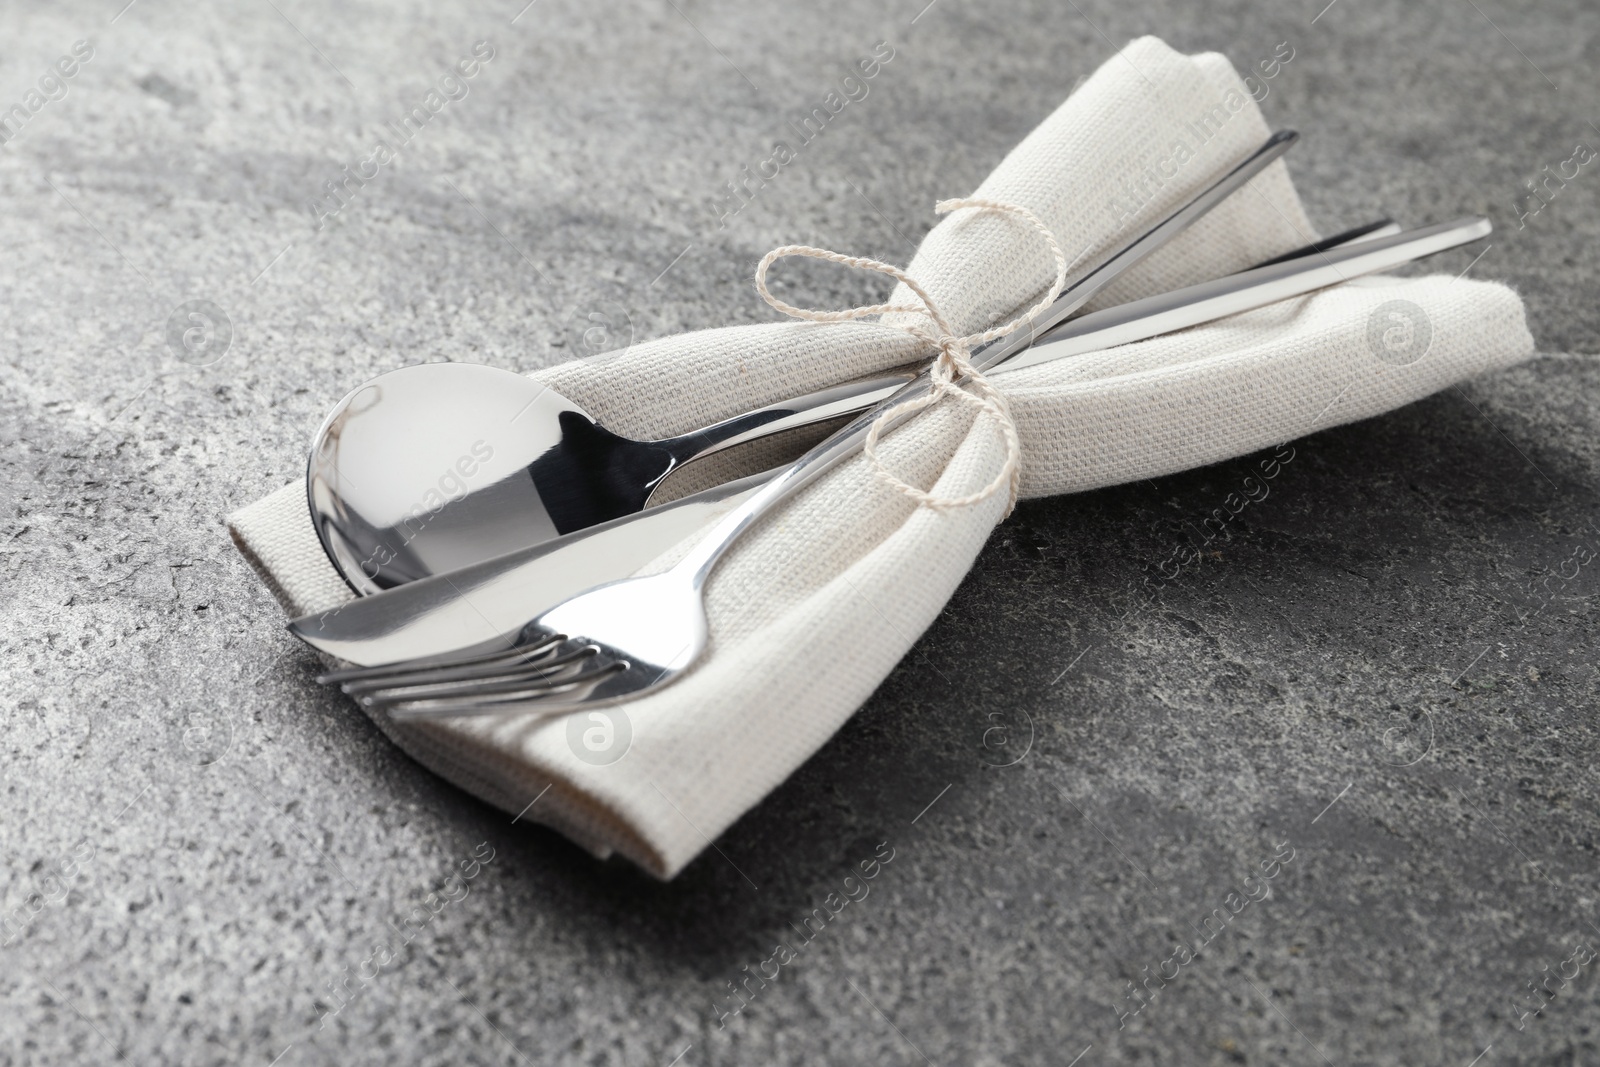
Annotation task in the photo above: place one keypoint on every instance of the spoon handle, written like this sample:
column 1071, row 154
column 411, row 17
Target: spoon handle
column 807, row 410
column 844, row 443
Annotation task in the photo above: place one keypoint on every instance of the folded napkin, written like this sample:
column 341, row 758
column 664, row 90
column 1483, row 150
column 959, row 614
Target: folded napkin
column 813, row 608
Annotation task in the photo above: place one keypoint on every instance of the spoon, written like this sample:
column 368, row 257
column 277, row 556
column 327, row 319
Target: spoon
column 434, row 467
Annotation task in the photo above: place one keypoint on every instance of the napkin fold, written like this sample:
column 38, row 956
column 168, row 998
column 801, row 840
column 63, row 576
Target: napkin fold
column 813, row 608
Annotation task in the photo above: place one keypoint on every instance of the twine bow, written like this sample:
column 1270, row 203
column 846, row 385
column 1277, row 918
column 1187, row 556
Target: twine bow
column 952, row 367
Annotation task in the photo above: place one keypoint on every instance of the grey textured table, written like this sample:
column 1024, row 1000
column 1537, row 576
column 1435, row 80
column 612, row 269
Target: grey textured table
column 1386, row 670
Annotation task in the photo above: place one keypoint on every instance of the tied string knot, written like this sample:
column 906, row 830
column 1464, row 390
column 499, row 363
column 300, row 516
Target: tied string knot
column 952, row 372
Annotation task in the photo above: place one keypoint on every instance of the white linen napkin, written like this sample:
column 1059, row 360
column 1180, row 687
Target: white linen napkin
column 810, row 611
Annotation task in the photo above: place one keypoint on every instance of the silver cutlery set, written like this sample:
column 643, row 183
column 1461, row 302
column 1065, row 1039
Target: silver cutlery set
column 497, row 575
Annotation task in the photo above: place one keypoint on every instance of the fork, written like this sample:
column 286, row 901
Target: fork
column 621, row 640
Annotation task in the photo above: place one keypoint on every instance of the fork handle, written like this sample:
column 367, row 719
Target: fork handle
column 845, row 442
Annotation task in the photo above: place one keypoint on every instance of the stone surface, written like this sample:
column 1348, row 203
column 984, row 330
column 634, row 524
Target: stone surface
column 1385, row 670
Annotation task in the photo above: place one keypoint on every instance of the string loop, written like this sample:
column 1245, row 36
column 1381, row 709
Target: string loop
column 951, row 369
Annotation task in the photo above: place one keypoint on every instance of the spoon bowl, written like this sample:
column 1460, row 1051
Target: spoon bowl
column 439, row 466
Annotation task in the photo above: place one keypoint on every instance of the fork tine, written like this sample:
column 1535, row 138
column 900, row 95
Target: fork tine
column 505, row 681
column 535, row 660
column 360, row 674
column 557, row 699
